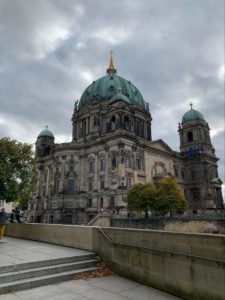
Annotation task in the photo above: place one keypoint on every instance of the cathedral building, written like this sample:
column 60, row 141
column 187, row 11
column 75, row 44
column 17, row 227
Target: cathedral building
column 112, row 149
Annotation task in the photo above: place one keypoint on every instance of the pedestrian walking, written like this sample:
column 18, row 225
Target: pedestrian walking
column 3, row 221
column 17, row 215
column 12, row 215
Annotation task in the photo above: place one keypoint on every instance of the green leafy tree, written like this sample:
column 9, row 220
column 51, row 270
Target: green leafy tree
column 169, row 198
column 165, row 198
column 141, row 197
column 17, row 176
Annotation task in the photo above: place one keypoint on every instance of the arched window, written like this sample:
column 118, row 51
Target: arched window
column 102, row 184
column 80, row 130
column 137, row 128
column 85, row 128
column 89, row 202
column 96, row 121
column 113, row 123
column 138, row 163
column 127, row 161
column 114, row 163
column 91, row 166
column 70, row 189
column 90, row 186
column 190, row 136
column 47, row 150
column 102, row 164
column 126, row 123
column 57, row 183
column 175, row 171
column 112, row 201
column 159, row 170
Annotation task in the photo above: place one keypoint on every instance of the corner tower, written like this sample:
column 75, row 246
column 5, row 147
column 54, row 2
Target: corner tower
column 45, row 143
column 203, row 187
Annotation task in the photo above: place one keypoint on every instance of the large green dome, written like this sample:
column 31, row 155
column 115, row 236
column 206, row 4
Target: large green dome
column 112, row 88
column 46, row 133
column 192, row 115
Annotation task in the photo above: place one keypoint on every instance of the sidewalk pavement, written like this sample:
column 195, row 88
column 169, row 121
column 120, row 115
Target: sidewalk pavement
column 15, row 251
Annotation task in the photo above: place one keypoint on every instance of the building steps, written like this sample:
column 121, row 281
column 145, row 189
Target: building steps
column 35, row 274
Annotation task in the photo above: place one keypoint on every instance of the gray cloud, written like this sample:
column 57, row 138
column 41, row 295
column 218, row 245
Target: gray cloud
column 50, row 51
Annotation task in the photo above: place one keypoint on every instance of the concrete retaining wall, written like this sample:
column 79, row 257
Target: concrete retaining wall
column 65, row 235
column 169, row 224
column 191, row 266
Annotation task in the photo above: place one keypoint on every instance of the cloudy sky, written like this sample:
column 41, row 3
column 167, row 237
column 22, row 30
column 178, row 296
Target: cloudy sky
column 50, row 50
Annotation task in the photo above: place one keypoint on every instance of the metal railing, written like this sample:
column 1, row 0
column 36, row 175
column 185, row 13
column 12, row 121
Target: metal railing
column 152, row 249
column 213, row 216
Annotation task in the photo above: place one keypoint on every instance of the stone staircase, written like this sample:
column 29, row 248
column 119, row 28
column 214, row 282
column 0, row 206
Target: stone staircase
column 101, row 219
column 34, row 274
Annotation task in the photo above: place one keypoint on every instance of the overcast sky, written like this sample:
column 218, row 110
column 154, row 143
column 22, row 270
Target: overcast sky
column 171, row 50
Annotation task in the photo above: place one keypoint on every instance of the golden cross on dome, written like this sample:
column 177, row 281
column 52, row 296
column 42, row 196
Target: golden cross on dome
column 111, row 65
column 111, row 69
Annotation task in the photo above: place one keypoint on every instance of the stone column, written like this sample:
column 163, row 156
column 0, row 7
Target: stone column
column 83, row 173
column 149, row 131
column 74, row 130
column 95, row 178
column 107, row 169
column 38, row 182
column 48, row 181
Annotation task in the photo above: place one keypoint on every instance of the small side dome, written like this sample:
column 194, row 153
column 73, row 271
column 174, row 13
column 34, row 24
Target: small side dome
column 46, row 133
column 192, row 115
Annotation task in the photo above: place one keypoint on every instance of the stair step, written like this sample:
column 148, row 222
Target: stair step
column 41, row 271
column 29, row 283
column 49, row 262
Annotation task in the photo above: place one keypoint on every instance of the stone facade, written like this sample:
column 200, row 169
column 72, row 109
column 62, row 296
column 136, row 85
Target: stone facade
column 202, row 184
column 112, row 149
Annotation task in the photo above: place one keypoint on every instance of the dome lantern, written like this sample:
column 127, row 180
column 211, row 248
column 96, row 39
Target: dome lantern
column 46, row 133
column 111, row 69
column 192, row 115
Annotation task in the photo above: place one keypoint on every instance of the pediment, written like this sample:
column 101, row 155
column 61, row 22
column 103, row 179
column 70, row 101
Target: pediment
column 217, row 181
column 161, row 145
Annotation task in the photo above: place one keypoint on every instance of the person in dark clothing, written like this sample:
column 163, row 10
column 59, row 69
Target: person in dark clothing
column 17, row 215
column 12, row 215
column 3, row 221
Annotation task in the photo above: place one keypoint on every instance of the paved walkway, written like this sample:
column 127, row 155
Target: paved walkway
column 14, row 251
